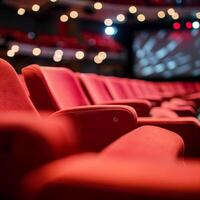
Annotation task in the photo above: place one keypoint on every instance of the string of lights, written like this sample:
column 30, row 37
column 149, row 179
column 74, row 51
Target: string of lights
column 108, row 22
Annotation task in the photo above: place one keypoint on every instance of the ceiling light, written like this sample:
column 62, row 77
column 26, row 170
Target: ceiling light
column 36, row 51
column 58, row 52
column 141, row 18
column 196, row 25
column 98, row 60
column 10, row 53
column 21, row 11
column 57, row 58
column 120, row 18
column 98, row 5
column 170, row 11
column 35, row 8
column 198, row 15
column 110, row 30
column 64, row 18
column 102, row 55
column 108, row 22
column 73, row 14
column 79, row 55
column 15, row 48
column 132, row 9
column 161, row 14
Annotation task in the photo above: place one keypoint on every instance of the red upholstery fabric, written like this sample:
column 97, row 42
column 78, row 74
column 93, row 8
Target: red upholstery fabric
column 12, row 93
column 26, row 142
column 182, row 102
column 145, row 91
column 187, row 127
column 110, row 91
column 115, row 88
column 147, row 143
column 98, row 126
column 180, row 110
column 53, row 82
column 162, row 113
column 21, row 78
column 59, row 88
column 95, row 88
column 89, row 177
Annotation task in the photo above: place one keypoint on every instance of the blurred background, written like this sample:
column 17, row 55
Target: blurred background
column 147, row 39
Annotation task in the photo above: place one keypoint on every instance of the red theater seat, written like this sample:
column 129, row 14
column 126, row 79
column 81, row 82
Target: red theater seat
column 187, row 127
column 162, row 113
column 181, row 110
column 105, row 95
column 90, row 177
column 147, row 143
column 148, row 162
column 27, row 140
column 12, row 94
column 60, row 89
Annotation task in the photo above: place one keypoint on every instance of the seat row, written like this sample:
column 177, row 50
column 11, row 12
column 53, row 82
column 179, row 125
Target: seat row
column 75, row 89
column 65, row 135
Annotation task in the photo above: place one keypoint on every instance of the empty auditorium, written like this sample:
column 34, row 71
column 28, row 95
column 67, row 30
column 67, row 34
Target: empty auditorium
column 99, row 100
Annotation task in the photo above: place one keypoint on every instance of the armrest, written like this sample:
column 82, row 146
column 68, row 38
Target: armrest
column 195, row 98
column 142, row 107
column 184, row 111
column 187, row 127
column 26, row 142
column 98, row 126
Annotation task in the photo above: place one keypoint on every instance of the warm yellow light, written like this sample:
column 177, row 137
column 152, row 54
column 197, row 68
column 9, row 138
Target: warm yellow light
column 170, row 11
column 57, row 58
column 161, row 14
column 175, row 16
column 98, row 5
column 98, row 60
column 64, row 18
column 141, row 18
column 53, row 1
column 73, row 14
column 198, row 15
column 58, row 52
column 102, row 55
column 15, row 48
column 108, row 22
column 35, row 8
column 132, row 9
column 79, row 55
column 36, row 51
column 10, row 53
column 120, row 18
column 21, row 11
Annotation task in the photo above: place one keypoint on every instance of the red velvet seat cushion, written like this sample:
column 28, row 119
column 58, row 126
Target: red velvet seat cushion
column 12, row 93
column 147, row 143
column 162, row 113
column 90, row 177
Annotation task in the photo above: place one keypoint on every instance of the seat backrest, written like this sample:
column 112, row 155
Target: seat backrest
column 115, row 88
column 59, row 88
column 95, row 88
column 21, row 78
column 136, row 88
column 12, row 94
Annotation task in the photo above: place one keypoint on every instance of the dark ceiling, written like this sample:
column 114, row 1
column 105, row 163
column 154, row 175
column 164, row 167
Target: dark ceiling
column 122, row 2
column 155, row 2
